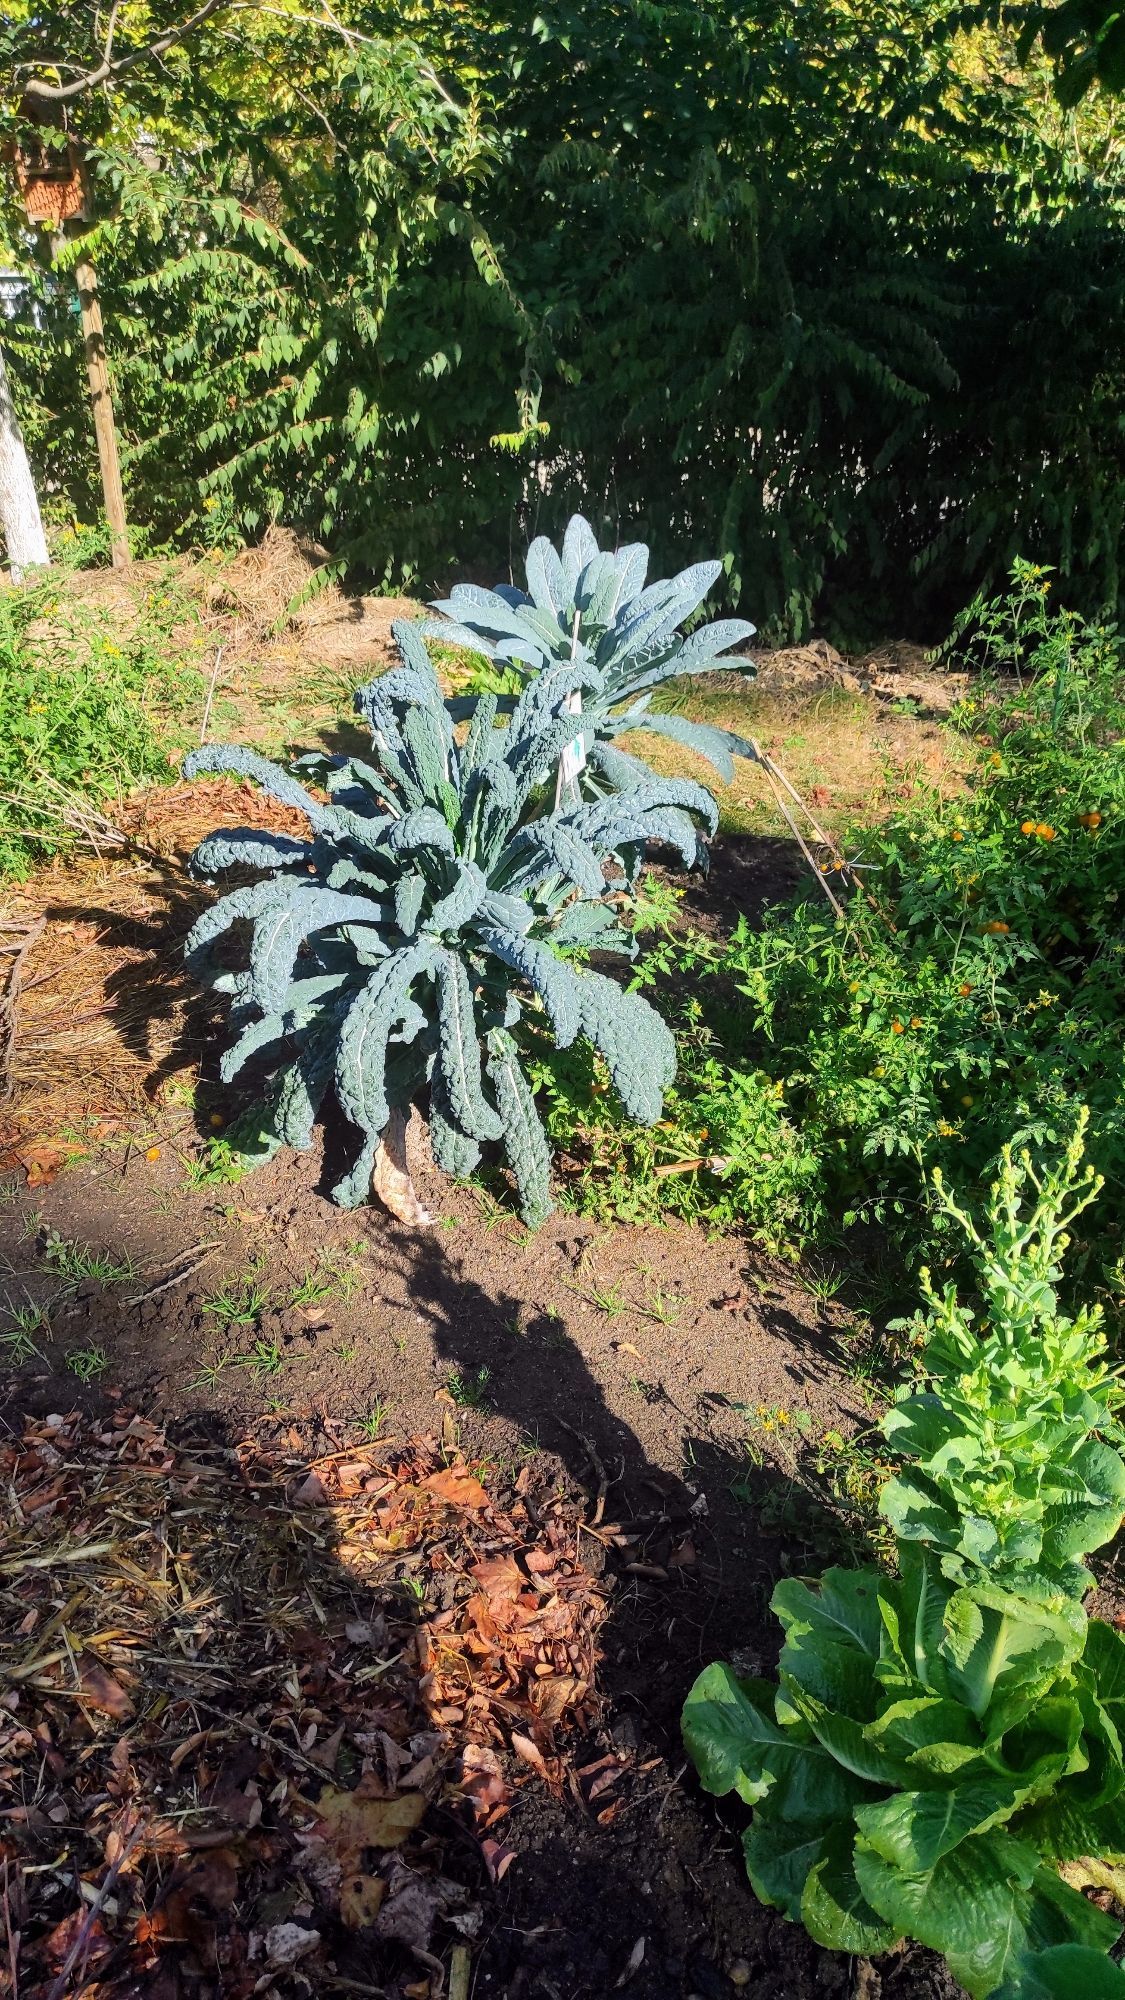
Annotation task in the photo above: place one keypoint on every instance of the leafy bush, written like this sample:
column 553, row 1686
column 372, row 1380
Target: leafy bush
column 78, row 702
column 944, row 1746
column 590, row 607
column 388, row 951
column 975, row 997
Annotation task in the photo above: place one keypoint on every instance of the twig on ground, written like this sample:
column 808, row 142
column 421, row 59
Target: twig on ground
column 23, row 936
column 210, row 694
column 207, row 1250
column 604, row 1481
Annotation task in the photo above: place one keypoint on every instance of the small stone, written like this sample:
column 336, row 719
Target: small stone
column 739, row 1972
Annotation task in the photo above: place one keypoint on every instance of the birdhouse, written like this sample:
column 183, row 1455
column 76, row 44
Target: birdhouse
column 50, row 175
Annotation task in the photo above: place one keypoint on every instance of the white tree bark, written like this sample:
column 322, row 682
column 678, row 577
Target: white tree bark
column 19, row 507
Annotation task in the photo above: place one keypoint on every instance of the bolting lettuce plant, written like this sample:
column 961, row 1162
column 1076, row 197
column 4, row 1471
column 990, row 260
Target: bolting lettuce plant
column 591, row 607
column 942, row 1756
column 392, row 951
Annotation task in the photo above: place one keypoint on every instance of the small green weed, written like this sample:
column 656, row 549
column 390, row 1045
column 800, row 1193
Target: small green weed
column 607, row 1299
column 240, row 1301
column 372, row 1422
column 79, row 1260
column 469, row 1391
column 314, row 1287
column 17, row 1342
column 664, row 1307
column 211, row 1371
column 87, row 1362
column 265, row 1358
column 219, row 1165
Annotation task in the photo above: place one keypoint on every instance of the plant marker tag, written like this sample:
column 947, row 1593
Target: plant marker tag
column 573, row 759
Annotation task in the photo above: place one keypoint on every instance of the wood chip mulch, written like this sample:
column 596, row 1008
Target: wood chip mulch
column 261, row 1719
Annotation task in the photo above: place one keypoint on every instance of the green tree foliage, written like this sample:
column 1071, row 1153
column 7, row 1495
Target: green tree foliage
column 838, row 292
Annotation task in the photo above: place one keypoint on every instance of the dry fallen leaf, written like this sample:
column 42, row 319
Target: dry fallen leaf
column 636, row 1959
column 456, row 1486
column 360, row 1899
column 497, row 1859
column 100, row 1689
column 351, row 1821
column 525, row 1748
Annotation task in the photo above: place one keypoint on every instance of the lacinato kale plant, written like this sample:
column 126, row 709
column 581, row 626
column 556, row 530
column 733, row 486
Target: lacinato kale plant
column 591, row 607
column 942, row 1755
column 391, row 952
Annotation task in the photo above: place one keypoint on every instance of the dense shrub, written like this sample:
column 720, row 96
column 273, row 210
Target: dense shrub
column 973, row 993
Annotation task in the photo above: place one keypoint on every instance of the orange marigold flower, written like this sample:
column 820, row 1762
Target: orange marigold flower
column 964, row 989
column 153, row 1153
column 1044, row 831
column 1027, row 826
column 916, row 1020
column 897, row 1028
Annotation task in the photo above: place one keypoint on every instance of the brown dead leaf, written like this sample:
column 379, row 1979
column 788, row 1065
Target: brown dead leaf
column 497, row 1859
column 457, row 1487
column 360, row 1899
column 553, row 1695
column 100, row 1689
column 351, row 1821
column 525, row 1748
column 311, row 1492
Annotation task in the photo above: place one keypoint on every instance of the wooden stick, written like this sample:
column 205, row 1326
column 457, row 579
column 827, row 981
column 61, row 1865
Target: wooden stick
column 459, row 1973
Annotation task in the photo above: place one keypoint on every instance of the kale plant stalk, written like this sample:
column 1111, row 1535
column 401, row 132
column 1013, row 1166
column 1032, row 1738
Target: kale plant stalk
column 591, row 608
column 942, row 1758
column 392, row 951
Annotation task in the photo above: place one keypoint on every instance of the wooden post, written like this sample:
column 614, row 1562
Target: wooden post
column 104, row 428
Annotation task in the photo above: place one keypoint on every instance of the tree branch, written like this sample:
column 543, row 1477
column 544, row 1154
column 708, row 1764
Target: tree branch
column 108, row 70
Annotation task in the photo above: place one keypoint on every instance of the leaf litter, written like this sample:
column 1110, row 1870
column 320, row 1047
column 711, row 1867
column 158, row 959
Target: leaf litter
column 263, row 1718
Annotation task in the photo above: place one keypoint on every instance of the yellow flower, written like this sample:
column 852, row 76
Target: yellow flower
column 37, row 708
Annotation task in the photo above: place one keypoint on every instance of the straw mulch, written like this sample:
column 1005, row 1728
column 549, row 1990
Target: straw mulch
column 263, row 1719
column 104, row 1014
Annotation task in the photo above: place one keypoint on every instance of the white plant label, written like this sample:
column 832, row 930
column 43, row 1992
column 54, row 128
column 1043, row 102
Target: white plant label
column 573, row 759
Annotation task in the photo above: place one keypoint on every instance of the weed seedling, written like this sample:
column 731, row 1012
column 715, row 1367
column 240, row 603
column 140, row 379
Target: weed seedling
column 371, row 1424
column 240, row 1302
column 210, row 1372
column 17, row 1342
column 469, row 1392
column 217, row 1166
column 264, row 1358
column 664, row 1307
column 78, row 1260
column 609, row 1299
column 314, row 1286
column 87, row 1362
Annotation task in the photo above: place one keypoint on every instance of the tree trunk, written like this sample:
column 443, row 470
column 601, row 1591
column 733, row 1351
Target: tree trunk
column 19, row 508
